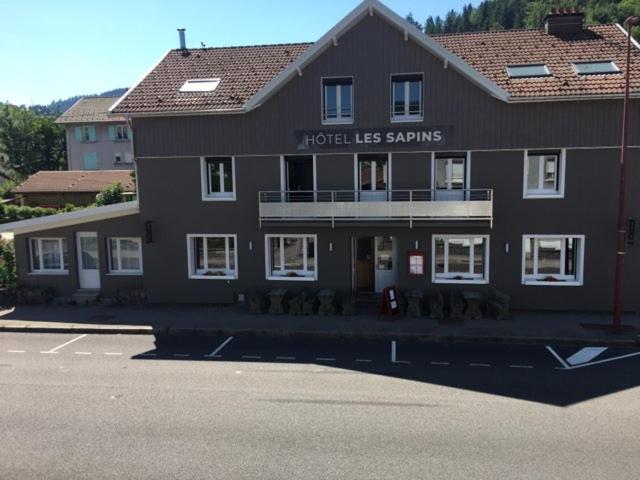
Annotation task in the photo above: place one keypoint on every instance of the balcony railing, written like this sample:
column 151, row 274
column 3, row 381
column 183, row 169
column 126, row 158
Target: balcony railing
column 387, row 205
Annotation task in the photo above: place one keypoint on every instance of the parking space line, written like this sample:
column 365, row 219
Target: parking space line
column 16, row 351
column 394, row 354
column 325, row 359
column 148, row 355
column 364, row 360
column 55, row 349
column 479, row 364
column 557, row 357
column 251, row 357
column 521, row 366
column 442, row 364
column 82, row 353
column 285, row 358
column 220, row 347
column 181, row 355
column 113, row 353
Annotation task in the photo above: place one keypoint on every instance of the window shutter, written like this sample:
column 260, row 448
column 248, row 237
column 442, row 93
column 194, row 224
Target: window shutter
column 90, row 161
column 130, row 133
column 112, row 133
column 92, row 133
column 79, row 134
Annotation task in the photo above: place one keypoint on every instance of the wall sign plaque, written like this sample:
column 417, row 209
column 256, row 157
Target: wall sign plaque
column 360, row 139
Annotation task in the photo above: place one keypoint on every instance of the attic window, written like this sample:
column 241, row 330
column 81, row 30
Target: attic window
column 200, row 85
column 594, row 68
column 528, row 71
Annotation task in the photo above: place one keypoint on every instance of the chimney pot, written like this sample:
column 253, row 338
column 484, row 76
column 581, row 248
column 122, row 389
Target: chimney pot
column 183, row 41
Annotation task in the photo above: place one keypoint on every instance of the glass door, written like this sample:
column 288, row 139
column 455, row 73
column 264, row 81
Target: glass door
column 88, row 262
column 385, row 262
column 450, row 178
column 299, row 174
column 373, row 177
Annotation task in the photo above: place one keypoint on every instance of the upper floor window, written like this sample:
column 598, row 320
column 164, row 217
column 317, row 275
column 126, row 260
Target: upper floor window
column 528, row 71
column 460, row 259
column 125, row 255
column 212, row 256
column 85, row 134
column 544, row 174
column 337, row 100
column 218, row 178
column 49, row 255
column 119, row 133
column 595, row 67
column 552, row 260
column 407, row 98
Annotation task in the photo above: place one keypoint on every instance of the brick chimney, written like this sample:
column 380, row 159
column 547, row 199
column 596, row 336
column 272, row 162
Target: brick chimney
column 564, row 21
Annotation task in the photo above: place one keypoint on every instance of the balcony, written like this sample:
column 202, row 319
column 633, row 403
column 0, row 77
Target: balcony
column 349, row 206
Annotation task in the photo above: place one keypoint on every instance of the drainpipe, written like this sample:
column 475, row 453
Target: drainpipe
column 622, row 189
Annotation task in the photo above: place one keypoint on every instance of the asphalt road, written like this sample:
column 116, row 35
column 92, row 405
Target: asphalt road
column 132, row 407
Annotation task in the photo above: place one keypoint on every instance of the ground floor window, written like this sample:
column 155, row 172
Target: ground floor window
column 49, row 255
column 125, row 255
column 552, row 259
column 460, row 259
column 291, row 257
column 212, row 256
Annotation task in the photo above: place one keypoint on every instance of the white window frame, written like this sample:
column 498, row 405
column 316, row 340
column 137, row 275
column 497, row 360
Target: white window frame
column 561, row 170
column 467, row 169
column 512, row 71
column 303, row 275
column 191, row 263
column 86, row 133
column 200, row 85
column 116, row 156
column 125, row 133
column 356, row 172
column 339, row 120
column 449, row 277
column 576, row 67
column 117, row 262
column 205, row 181
column 47, row 271
column 562, row 280
column 406, row 117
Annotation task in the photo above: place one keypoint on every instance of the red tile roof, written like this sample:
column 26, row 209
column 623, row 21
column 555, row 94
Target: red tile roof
column 491, row 52
column 90, row 109
column 75, row 181
column 243, row 72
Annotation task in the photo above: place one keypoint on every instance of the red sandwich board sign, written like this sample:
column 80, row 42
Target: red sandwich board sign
column 389, row 303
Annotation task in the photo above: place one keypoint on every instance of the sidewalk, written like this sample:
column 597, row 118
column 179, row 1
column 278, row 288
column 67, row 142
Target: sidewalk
column 528, row 328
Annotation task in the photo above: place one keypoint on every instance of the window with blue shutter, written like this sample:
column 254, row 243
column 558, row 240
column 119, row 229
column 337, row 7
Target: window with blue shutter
column 91, row 161
column 112, row 133
column 79, row 134
column 92, row 133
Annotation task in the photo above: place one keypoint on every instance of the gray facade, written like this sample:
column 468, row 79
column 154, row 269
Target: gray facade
column 491, row 134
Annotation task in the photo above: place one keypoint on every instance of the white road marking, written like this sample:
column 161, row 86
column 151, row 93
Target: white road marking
column 16, row 351
column 222, row 345
column 181, row 355
column 251, row 357
column 148, row 355
column 55, row 350
column 479, row 364
column 325, row 359
column 364, row 360
column 113, row 353
column 557, row 357
column 82, row 353
column 441, row 363
column 285, row 358
column 612, row 359
column 394, row 358
column 51, row 353
column 521, row 366
column 585, row 355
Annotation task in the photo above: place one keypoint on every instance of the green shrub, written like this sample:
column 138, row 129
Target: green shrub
column 110, row 195
column 7, row 264
column 11, row 212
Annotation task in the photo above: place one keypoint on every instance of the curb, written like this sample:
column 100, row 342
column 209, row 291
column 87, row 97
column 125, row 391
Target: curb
column 423, row 337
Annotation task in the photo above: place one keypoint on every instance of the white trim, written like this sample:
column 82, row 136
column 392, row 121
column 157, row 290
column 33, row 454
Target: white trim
column 339, row 120
column 450, row 155
column 406, row 117
column 135, row 85
column 304, row 277
column 633, row 40
column 284, row 174
column 351, row 19
column 205, row 180
column 232, row 274
column 561, row 171
column 473, row 278
column 71, row 218
column 579, row 276
column 119, row 270
column 62, row 241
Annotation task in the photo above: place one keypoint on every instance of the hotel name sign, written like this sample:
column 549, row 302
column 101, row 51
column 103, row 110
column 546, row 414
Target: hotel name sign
column 372, row 138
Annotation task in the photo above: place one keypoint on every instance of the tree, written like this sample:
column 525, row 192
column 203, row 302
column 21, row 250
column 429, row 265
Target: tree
column 110, row 195
column 31, row 142
column 413, row 21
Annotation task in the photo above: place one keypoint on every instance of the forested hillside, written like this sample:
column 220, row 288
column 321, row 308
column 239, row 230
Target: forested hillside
column 60, row 106
column 508, row 14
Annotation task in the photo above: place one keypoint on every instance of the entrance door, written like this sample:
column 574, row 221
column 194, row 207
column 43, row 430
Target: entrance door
column 450, row 178
column 364, row 268
column 373, row 177
column 88, row 265
column 299, row 178
column 386, row 264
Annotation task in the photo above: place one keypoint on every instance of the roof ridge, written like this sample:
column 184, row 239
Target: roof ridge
column 511, row 30
column 231, row 47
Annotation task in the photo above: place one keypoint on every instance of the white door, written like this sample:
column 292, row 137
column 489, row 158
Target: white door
column 386, row 262
column 450, row 178
column 373, row 177
column 88, row 264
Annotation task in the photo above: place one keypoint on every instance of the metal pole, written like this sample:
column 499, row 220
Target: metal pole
column 622, row 189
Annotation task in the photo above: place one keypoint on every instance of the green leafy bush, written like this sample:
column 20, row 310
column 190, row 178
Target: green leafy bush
column 110, row 195
column 7, row 264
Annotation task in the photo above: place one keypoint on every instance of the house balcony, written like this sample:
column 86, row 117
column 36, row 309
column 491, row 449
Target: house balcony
column 399, row 206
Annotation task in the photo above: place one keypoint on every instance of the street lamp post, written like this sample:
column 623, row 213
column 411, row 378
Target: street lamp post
column 622, row 190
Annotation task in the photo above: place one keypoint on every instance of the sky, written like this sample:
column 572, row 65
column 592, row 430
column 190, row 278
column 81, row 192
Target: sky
column 54, row 49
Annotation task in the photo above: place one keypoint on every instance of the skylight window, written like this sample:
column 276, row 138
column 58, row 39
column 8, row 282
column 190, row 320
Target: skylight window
column 594, row 68
column 528, row 71
column 200, row 85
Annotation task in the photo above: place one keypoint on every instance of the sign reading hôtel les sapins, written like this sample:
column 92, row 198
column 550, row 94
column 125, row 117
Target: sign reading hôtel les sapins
column 372, row 138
